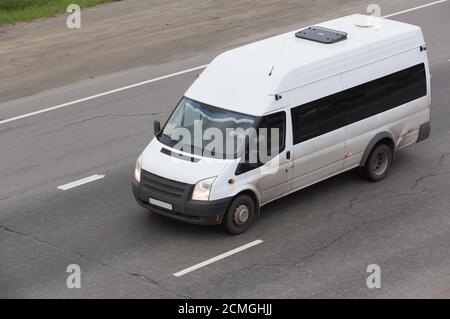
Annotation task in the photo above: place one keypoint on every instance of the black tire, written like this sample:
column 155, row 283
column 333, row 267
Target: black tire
column 240, row 215
column 378, row 164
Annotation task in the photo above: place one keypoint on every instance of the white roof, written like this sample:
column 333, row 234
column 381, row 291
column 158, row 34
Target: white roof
column 239, row 79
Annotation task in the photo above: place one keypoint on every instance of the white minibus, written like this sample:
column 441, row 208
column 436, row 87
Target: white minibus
column 267, row 119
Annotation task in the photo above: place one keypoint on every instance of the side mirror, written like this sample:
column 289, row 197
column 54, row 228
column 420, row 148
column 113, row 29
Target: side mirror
column 156, row 127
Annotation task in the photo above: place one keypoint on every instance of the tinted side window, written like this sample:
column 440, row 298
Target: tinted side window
column 305, row 122
column 405, row 86
column 332, row 114
column 383, row 94
column 358, row 103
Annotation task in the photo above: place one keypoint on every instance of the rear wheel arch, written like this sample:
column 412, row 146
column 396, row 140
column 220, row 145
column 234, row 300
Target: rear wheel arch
column 380, row 138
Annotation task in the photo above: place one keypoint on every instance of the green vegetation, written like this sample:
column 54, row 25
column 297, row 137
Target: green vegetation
column 12, row 11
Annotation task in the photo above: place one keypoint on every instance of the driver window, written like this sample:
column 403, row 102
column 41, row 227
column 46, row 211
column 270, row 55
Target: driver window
column 272, row 127
column 275, row 130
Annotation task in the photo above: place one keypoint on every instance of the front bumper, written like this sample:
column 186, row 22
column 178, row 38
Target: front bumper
column 184, row 209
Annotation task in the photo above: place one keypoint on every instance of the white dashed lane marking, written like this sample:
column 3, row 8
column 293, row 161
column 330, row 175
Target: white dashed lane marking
column 217, row 258
column 80, row 182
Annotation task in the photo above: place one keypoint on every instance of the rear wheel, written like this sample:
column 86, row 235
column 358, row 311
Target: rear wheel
column 240, row 215
column 379, row 163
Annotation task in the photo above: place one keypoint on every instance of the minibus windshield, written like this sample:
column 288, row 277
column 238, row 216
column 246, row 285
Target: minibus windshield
column 205, row 130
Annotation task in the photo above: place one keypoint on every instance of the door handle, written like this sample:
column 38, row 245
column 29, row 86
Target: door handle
column 288, row 155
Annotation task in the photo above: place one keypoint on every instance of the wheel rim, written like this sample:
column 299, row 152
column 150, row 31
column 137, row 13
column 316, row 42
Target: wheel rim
column 380, row 163
column 241, row 215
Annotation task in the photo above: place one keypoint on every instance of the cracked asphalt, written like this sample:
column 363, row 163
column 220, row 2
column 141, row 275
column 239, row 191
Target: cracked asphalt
column 318, row 242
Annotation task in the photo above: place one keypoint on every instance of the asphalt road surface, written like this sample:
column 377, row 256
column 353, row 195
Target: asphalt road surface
column 316, row 242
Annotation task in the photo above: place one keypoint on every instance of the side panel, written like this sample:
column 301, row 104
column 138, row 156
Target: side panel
column 402, row 122
column 319, row 157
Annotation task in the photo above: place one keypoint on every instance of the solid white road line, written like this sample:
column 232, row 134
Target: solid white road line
column 217, row 258
column 165, row 77
column 415, row 8
column 80, row 182
column 60, row 106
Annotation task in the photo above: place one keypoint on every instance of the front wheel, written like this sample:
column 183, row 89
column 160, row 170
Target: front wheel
column 379, row 163
column 240, row 215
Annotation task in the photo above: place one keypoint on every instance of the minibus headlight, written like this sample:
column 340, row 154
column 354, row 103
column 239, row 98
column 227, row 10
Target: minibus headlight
column 137, row 169
column 202, row 189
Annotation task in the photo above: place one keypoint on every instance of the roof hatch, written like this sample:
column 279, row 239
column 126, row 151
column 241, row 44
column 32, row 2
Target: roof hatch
column 321, row 34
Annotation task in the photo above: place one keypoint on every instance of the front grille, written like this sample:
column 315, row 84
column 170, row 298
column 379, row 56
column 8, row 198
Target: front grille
column 163, row 186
